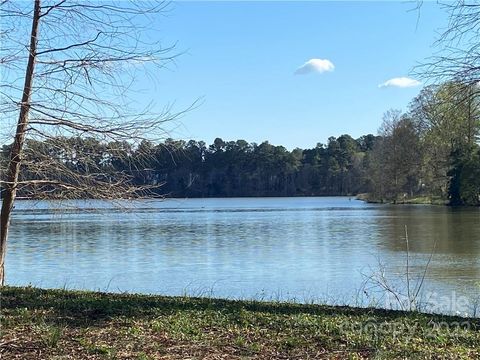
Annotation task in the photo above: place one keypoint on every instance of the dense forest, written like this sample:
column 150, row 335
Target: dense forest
column 430, row 151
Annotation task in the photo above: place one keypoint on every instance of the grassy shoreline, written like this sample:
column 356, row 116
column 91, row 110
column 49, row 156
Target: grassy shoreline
column 418, row 200
column 62, row 324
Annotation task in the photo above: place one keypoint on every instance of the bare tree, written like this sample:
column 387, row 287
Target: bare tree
column 82, row 61
column 395, row 159
column 457, row 59
column 449, row 109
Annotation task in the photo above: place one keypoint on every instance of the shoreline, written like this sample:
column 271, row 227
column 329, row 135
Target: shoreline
column 419, row 200
column 424, row 200
column 41, row 324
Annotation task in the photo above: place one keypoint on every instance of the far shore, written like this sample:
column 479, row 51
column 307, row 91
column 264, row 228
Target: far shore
column 416, row 200
column 420, row 200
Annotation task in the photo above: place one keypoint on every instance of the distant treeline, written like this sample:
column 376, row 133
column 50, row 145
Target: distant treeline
column 222, row 169
column 432, row 150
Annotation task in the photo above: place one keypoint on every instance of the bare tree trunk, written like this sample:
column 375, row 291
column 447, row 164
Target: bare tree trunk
column 470, row 135
column 16, row 151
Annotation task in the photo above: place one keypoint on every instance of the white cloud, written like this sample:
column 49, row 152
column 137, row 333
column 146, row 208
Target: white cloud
column 400, row 82
column 315, row 65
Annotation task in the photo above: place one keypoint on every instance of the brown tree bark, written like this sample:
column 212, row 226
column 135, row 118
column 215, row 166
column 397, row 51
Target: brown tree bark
column 13, row 170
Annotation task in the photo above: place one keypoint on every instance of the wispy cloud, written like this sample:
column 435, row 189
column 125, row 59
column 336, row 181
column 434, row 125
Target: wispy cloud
column 400, row 82
column 315, row 66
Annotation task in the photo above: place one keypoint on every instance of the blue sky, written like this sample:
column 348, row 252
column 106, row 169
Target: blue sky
column 241, row 58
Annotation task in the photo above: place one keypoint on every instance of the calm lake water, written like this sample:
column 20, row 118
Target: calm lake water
column 303, row 249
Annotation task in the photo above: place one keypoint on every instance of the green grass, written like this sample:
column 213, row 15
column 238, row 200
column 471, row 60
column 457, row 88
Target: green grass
column 433, row 200
column 420, row 200
column 60, row 324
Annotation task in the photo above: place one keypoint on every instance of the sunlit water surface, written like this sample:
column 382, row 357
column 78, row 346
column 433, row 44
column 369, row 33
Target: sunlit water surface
column 302, row 249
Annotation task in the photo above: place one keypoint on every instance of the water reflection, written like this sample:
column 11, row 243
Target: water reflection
column 455, row 231
column 303, row 248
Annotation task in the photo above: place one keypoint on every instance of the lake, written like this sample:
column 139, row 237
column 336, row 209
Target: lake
column 310, row 249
